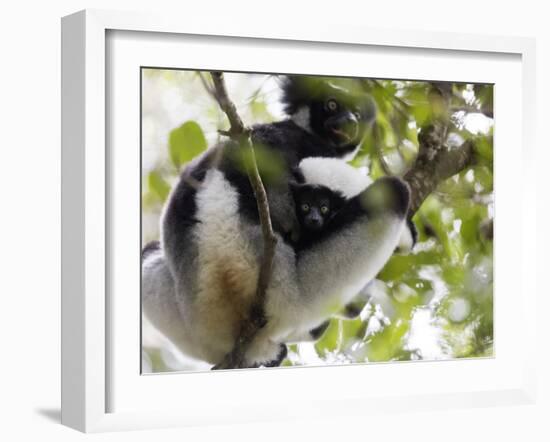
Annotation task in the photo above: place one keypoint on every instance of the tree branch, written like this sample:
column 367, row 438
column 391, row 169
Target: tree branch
column 435, row 162
column 256, row 318
column 220, row 93
column 378, row 147
column 433, row 167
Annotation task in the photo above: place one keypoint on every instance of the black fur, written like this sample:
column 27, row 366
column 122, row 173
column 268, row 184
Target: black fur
column 182, row 207
column 352, row 310
column 315, row 197
column 318, row 331
column 412, row 228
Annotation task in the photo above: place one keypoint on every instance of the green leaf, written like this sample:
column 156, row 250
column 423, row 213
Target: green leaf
column 260, row 111
column 388, row 343
column 186, row 142
column 399, row 265
column 158, row 185
column 270, row 162
column 329, row 340
column 483, row 147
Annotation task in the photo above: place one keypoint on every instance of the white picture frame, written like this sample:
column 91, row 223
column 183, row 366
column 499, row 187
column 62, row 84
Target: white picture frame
column 87, row 201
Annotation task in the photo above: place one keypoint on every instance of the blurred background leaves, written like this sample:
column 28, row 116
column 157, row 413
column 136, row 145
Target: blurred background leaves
column 433, row 303
column 185, row 143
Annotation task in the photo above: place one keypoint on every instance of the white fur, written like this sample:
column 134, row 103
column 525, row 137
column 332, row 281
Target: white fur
column 160, row 305
column 406, row 241
column 302, row 118
column 334, row 174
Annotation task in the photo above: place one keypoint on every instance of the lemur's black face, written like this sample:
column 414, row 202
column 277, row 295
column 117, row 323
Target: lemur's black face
column 338, row 110
column 315, row 205
column 336, row 120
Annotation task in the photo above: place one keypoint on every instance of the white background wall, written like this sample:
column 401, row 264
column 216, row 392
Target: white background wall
column 30, row 219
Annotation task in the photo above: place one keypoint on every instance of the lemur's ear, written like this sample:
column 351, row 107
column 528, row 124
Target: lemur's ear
column 295, row 186
column 298, row 91
column 297, row 176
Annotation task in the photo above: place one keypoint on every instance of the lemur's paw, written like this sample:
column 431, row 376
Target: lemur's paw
column 283, row 352
column 266, row 354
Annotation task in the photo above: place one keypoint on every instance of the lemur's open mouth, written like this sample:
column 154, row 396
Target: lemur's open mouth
column 342, row 135
column 342, row 129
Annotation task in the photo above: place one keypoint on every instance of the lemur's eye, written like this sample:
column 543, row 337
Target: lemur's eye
column 305, row 207
column 324, row 210
column 331, row 105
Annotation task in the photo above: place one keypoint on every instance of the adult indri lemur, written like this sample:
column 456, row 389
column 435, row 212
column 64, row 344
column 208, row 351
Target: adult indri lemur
column 199, row 284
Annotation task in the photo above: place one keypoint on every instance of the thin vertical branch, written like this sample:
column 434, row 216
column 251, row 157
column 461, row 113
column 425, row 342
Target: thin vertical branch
column 256, row 320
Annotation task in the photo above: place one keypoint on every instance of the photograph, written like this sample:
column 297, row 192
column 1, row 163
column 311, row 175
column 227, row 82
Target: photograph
column 292, row 220
column 237, row 222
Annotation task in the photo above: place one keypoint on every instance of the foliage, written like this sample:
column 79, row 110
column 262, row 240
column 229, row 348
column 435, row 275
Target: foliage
column 433, row 303
column 186, row 142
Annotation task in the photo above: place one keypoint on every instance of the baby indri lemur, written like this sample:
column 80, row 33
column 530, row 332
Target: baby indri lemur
column 316, row 206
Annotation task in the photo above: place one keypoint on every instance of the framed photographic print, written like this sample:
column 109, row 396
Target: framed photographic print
column 260, row 210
